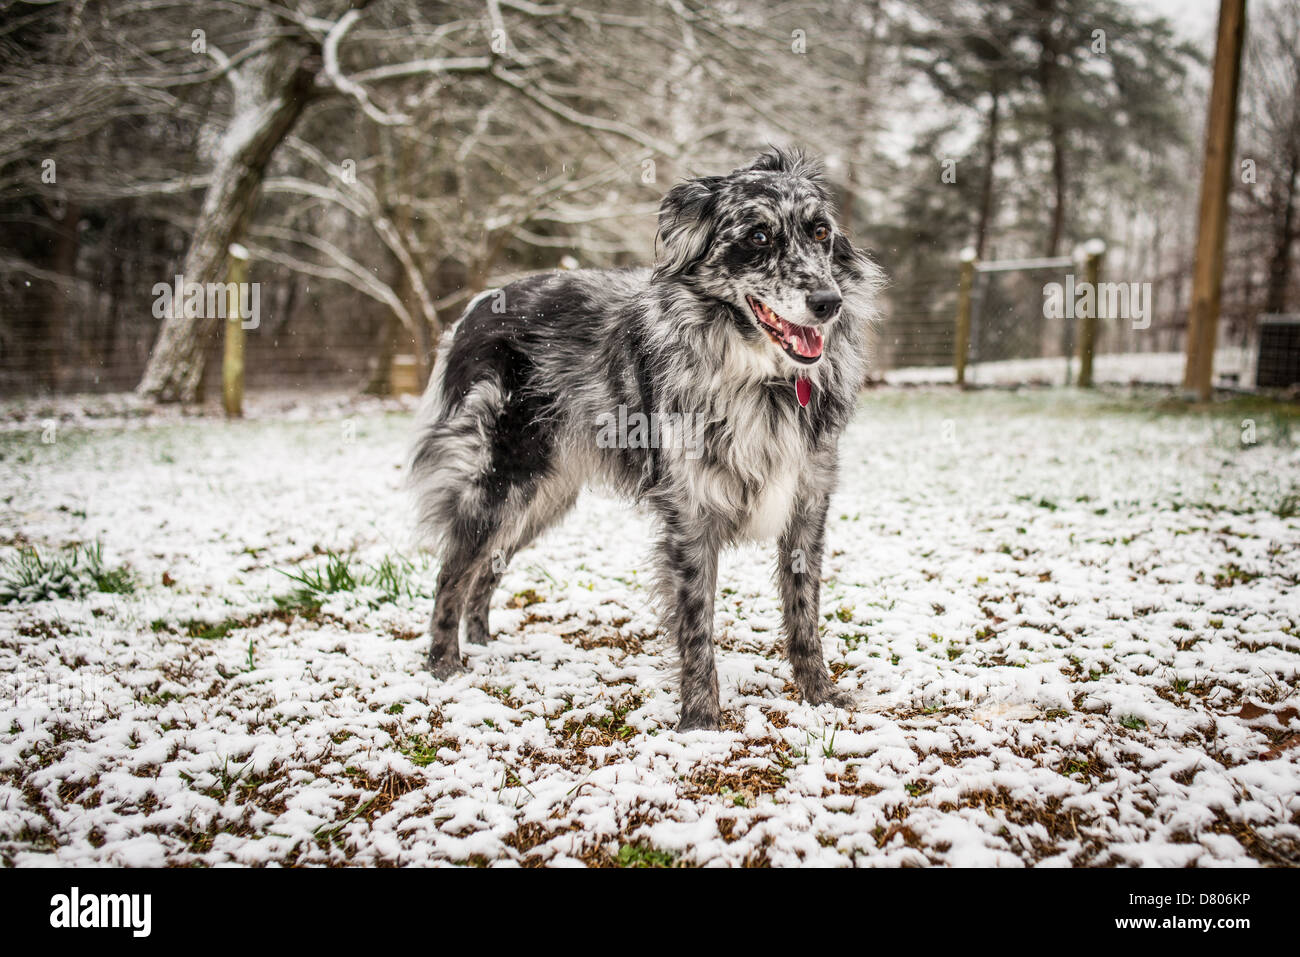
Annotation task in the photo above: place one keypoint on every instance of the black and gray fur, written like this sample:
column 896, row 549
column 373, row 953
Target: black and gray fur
column 507, row 433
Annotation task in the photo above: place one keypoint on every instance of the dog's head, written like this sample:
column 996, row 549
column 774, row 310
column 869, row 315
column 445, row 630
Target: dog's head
column 763, row 240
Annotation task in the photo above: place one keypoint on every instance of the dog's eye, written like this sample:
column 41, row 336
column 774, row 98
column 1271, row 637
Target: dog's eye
column 821, row 233
column 759, row 237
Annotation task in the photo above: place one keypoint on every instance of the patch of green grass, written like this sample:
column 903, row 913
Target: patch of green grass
column 340, row 573
column 1235, row 407
column 523, row 599
column 828, row 741
column 73, row 572
column 421, row 751
column 210, row 629
column 851, row 642
column 333, row 576
column 614, row 724
column 227, row 779
column 393, row 577
column 157, row 700
column 1133, row 722
column 1233, row 575
column 643, row 855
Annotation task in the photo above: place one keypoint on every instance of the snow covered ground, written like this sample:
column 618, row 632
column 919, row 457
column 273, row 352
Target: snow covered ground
column 1232, row 366
column 1073, row 620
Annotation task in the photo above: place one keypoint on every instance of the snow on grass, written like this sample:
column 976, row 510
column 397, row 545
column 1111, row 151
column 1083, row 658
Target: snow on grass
column 1232, row 365
column 1072, row 620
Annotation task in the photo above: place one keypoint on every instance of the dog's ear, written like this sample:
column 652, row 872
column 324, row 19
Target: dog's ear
column 686, row 221
column 848, row 262
column 857, row 275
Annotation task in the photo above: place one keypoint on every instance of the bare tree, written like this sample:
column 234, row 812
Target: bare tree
column 521, row 154
column 271, row 90
column 1271, row 147
column 411, row 153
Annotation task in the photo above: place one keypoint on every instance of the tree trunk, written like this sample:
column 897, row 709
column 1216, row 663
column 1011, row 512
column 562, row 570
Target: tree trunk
column 986, row 188
column 123, row 236
column 1058, row 191
column 279, row 86
column 392, row 334
column 1047, row 82
column 63, row 261
column 1279, row 266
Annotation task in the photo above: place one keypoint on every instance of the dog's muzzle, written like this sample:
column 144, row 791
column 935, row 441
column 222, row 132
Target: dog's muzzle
column 824, row 303
column 803, row 344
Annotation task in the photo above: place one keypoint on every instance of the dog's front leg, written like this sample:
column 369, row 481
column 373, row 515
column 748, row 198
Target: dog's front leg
column 799, row 557
column 688, row 560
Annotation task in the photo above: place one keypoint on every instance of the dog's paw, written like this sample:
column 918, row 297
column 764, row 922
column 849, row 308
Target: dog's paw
column 829, row 694
column 700, row 721
column 445, row 666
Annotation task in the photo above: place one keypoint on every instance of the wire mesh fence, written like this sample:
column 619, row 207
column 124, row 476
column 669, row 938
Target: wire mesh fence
column 1014, row 319
column 80, row 338
column 95, row 336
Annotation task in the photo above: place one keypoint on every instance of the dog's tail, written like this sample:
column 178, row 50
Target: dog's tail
column 453, row 444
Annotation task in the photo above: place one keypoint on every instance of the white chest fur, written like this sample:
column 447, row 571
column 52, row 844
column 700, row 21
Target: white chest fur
column 754, row 473
column 770, row 511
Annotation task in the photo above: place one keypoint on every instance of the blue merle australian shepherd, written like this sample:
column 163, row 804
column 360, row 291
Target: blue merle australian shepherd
column 753, row 325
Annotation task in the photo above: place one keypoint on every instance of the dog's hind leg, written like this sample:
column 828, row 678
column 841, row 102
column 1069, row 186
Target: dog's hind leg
column 454, row 581
column 539, row 506
column 799, row 573
column 479, row 601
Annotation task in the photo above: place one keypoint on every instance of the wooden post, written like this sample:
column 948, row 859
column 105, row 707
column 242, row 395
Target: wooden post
column 1207, row 283
column 232, row 362
column 961, row 343
column 404, row 375
column 1093, row 250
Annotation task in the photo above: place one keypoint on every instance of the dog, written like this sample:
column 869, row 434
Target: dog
column 751, row 332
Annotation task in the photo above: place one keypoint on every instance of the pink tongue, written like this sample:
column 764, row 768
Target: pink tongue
column 807, row 342
column 802, row 390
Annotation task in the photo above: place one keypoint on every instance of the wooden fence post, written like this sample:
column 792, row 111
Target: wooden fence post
column 961, row 343
column 1220, row 130
column 1093, row 250
column 232, row 362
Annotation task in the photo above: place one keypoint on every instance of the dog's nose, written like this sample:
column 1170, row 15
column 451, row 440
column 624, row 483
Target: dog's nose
column 824, row 303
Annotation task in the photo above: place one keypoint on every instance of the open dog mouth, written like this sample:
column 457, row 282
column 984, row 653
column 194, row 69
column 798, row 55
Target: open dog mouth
column 800, row 343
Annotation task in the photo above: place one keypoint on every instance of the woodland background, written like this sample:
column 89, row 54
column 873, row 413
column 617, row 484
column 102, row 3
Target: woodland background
column 384, row 161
